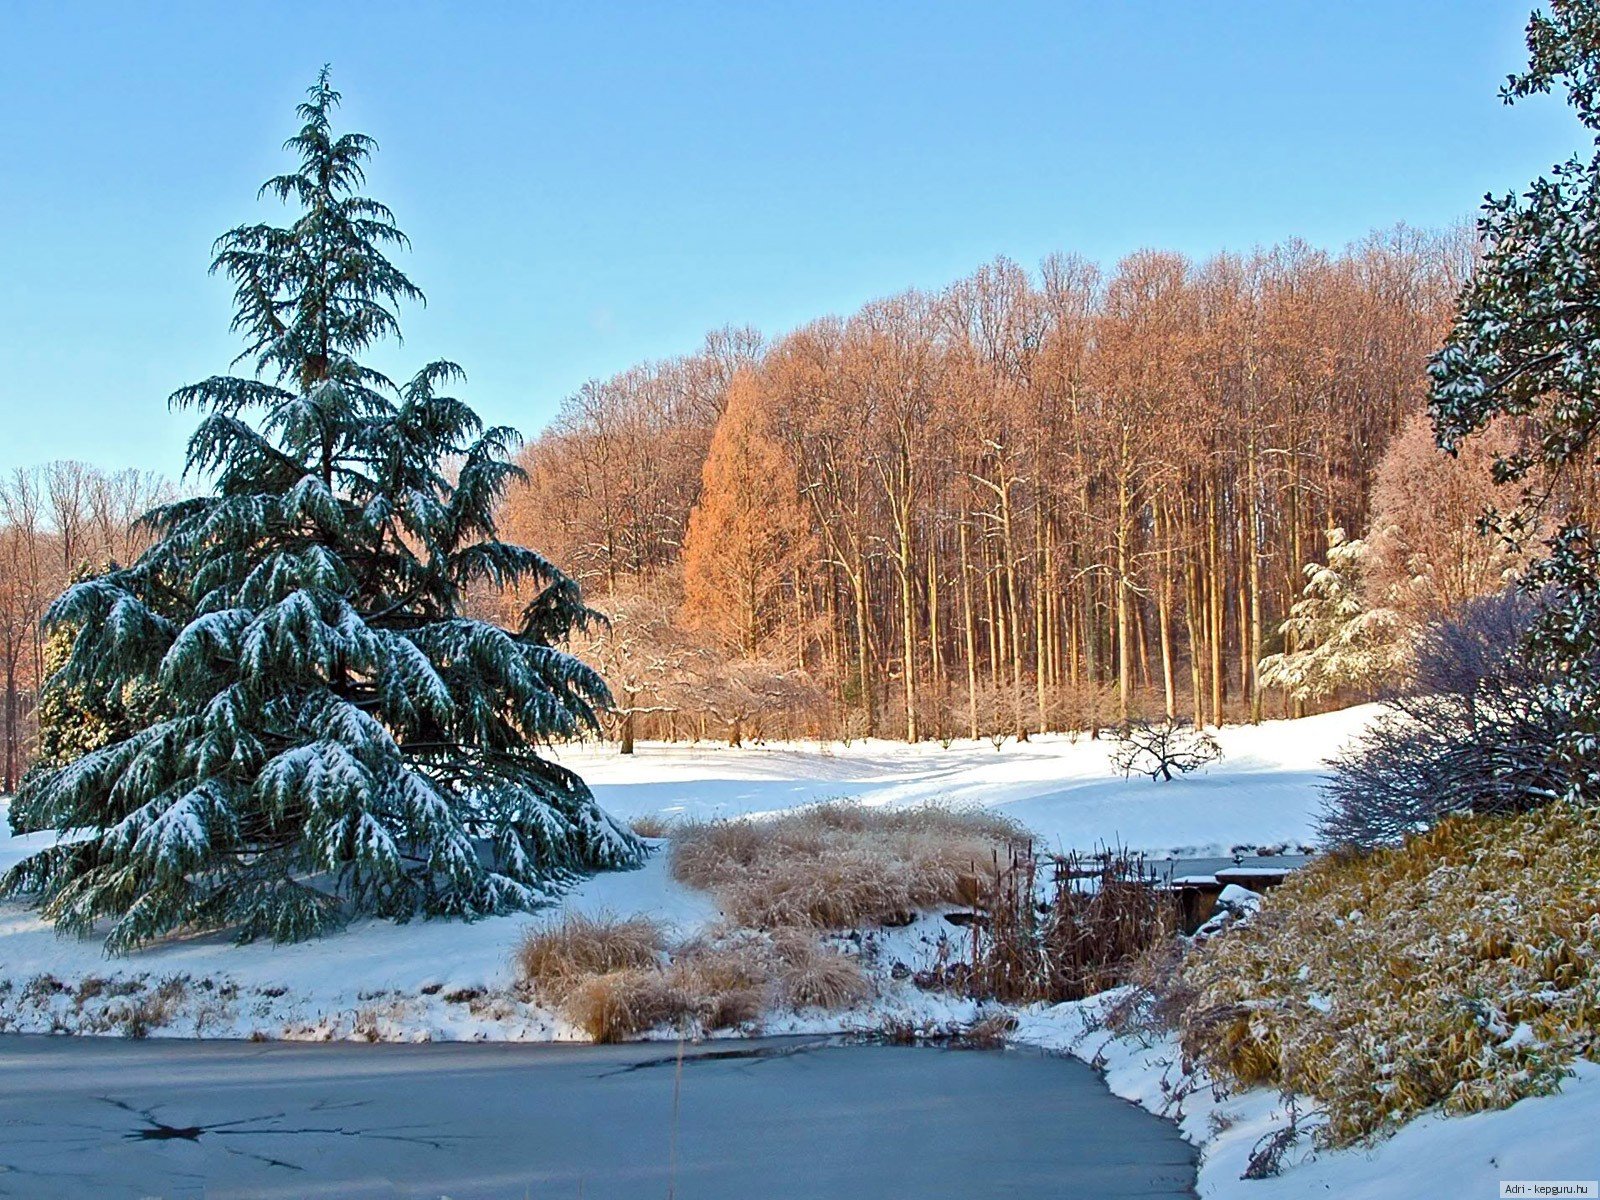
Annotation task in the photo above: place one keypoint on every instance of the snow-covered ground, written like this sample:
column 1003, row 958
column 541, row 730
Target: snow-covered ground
column 448, row 980
column 1262, row 792
column 1542, row 1138
column 432, row 979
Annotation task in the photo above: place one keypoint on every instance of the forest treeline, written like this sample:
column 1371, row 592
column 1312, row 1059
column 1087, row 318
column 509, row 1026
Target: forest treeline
column 56, row 522
column 1028, row 501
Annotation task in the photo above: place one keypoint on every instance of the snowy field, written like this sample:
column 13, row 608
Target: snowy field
column 1063, row 789
column 431, row 981
column 445, row 980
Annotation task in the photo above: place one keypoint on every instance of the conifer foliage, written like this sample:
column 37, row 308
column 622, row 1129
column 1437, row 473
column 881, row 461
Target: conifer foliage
column 330, row 734
column 748, row 535
column 1343, row 643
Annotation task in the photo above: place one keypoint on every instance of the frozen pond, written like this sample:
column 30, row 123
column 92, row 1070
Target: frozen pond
column 774, row 1119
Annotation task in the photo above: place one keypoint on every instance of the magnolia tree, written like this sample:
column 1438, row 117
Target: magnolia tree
column 1526, row 346
column 1161, row 748
column 326, row 732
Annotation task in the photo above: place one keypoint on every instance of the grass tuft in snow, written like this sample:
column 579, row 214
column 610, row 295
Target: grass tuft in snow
column 652, row 825
column 1461, row 970
column 552, row 961
column 614, row 979
column 841, row 865
column 617, row 1005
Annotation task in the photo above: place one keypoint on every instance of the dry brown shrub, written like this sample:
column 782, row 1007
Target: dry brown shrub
column 553, row 960
column 1155, row 996
column 838, row 865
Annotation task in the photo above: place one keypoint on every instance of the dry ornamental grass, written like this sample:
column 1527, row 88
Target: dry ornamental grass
column 550, row 961
column 614, row 980
column 841, row 865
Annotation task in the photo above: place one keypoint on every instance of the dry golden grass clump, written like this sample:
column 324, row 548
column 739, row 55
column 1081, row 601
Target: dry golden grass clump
column 809, row 975
column 1462, row 970
column 621, row 1004
column 614, row 980
column 838, row 865
column 652, row 825
column 553, row 960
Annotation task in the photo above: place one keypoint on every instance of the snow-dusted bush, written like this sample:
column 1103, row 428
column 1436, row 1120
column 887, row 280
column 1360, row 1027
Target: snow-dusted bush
column 1477, row 732
column 1461, row 970
column 1158, row 748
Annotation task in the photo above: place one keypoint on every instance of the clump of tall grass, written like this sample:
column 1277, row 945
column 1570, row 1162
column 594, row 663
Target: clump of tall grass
column 552, row 960
column 652, row 825
column 616, row 979
column 842, row 864
column 617, row 1005
column 1460, row 970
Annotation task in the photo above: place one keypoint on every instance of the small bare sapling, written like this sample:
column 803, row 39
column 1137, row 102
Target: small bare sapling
column 1160, row 748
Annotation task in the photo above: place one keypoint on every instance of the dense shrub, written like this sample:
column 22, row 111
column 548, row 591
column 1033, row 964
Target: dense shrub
column 1460, row 970
column 1477, row 732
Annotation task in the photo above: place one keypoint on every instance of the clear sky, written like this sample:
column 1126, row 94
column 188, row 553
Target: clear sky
column 591, row 184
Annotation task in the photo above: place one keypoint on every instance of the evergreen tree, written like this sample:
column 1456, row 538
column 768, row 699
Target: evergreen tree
column 332, row 735
column 73, row 720
column 1342, row 642
column 1526, row 344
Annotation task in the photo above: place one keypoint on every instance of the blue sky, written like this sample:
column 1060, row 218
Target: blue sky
column 589, row 185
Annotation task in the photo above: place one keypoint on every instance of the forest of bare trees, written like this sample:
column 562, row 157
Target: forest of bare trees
column 1028, row 501
column 56, row 521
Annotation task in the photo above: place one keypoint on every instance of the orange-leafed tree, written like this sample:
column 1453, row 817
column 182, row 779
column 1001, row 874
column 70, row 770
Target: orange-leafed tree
column 748, row 538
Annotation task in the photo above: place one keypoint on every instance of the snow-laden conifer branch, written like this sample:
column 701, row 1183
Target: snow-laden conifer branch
column 327, row 733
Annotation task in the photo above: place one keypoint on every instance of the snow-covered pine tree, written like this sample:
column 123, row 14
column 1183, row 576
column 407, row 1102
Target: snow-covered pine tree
column 1342, row 642
column 331, row 735
column 74, row 721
